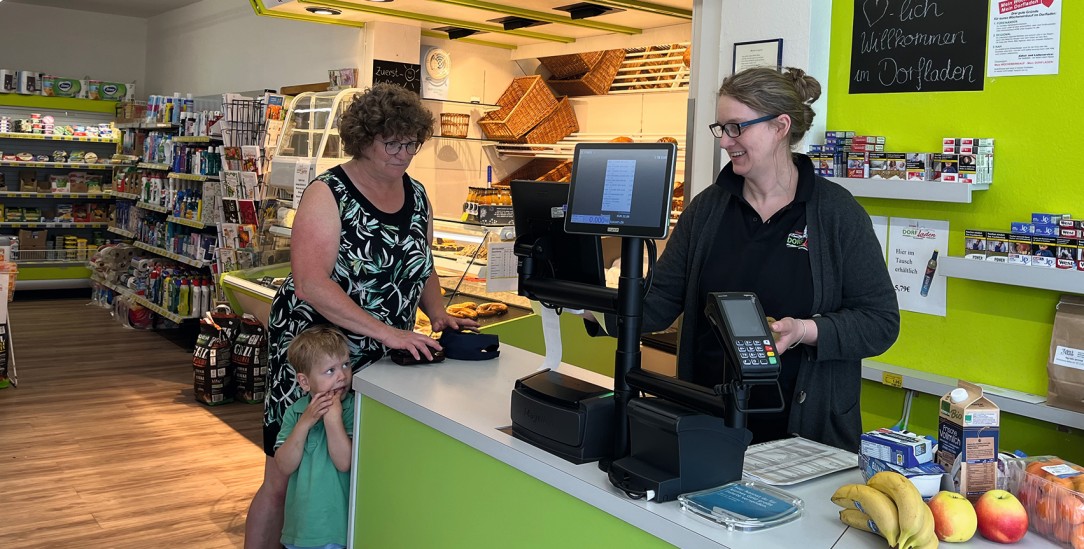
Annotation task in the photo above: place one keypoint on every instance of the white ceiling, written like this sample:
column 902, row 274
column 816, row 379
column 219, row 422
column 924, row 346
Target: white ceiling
column 131, row 8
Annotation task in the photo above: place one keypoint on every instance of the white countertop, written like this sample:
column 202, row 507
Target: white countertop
column 469, row 401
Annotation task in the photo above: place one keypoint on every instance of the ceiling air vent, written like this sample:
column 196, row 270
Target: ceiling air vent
column 456, row 33
column 512, row 22
column 584, row 10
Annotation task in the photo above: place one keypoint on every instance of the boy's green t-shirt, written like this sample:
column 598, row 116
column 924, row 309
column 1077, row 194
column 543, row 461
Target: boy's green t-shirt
column 317, row 496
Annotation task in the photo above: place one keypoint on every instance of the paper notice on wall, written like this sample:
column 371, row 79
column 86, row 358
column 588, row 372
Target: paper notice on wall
column 1025, row 38
column 302, row 178
column 502, row 273
column 880, row 228
column 914, row 246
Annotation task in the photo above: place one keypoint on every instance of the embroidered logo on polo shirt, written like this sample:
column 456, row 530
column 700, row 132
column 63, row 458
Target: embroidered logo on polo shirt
column 798, row 239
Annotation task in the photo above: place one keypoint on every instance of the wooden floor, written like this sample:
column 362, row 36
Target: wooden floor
column 103, row 445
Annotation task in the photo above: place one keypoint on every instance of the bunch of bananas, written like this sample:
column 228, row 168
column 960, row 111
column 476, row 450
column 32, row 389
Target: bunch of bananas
column 890, row 506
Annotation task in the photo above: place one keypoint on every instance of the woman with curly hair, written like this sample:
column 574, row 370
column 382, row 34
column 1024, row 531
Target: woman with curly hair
column 361, row 260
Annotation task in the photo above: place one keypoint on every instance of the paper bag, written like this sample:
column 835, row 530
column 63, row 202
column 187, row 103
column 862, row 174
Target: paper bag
column 1065, row 367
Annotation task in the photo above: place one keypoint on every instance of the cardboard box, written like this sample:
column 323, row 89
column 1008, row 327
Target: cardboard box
column 9, row 81
column 968, row 428
column 1067, row 253
column 111, row 91
column 997, row 247
column 919, row 167
column 32, row 239
column 1020, row 249
column 1043, row 249
column 898, row 447
column 55, row 86
column 975, row 244
column 929, row 478
column 28, row 82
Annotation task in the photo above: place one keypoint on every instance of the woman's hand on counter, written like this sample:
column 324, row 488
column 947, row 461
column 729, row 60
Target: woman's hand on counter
column 418, row 345
column 444, row 321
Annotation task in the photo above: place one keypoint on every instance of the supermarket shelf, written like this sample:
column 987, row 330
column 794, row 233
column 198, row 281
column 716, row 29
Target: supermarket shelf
column 15, row 194
column 1013, row 402
column 120, row 231
column 146, row 126
column 196, row 139
column 127, row 292
column 199, row 264
column 49, row 263
column 1058, row 280
column 186, row 222
column 54, row 225
column 58, row 103
column 129, row 196
column 38, row 136
column 190, row 176
column 929, row 191
column 153, row 166
column 152, row 207
column 79, row 165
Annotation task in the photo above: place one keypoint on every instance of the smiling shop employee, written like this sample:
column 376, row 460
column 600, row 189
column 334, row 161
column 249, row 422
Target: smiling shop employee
column 769, row 225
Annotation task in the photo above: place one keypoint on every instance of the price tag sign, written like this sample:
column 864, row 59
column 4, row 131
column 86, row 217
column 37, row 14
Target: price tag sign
column 892, row 380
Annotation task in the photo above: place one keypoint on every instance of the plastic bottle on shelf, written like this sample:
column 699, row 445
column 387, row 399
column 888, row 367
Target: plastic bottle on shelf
column 184, row 303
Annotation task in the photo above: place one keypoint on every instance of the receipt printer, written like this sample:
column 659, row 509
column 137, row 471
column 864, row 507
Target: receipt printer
column 564, row 416
column 674, row 450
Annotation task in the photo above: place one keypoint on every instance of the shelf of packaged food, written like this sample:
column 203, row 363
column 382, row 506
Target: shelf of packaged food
column 458, row 259
column 191, row 176
column 53, row 225
column 198, row 263
column 152, row 207
column 79, row 165
column 128, row 196
column 54, row 196
column 1009, row 400
column 40, row 136
column 929, row 191
column 186, row 222
column 153, row 166
column 1029, row 276
column 120, row 231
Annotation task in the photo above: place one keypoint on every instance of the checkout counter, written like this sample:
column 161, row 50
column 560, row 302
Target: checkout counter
column 435, row 469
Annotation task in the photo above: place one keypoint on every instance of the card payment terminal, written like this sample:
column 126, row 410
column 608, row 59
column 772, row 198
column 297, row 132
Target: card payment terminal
column 744, row 332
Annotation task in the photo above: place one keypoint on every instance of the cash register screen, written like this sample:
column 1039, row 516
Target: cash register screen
column 743, row 317
column 621, row 189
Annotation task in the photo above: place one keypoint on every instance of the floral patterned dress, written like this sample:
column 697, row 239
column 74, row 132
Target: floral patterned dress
column 383, row 263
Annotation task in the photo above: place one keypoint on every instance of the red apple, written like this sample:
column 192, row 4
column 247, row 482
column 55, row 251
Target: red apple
column 954, row 517
column 1001, row 517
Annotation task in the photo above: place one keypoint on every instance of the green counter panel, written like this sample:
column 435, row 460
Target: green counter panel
column 420, row 488
column 52, row 273
column 579, row 349
column 58, row 103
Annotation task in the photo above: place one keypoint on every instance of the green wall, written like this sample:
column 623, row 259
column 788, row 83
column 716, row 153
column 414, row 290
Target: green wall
column 993, row 334
column 420, row 488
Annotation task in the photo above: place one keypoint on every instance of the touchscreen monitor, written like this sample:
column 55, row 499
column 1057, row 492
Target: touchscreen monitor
column 539, row 211
column 621, row 189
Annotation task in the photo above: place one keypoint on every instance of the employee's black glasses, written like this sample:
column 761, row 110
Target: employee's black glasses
column 733, row 129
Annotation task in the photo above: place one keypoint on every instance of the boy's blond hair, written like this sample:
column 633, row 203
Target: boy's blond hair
column 315, row 343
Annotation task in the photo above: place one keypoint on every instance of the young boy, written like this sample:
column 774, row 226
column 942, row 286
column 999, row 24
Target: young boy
column 314, row 446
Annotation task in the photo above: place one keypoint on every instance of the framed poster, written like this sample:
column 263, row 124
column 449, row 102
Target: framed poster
column 760, row 53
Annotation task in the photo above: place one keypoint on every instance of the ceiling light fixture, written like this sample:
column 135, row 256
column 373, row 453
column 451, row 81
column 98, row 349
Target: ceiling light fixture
column 320, row 10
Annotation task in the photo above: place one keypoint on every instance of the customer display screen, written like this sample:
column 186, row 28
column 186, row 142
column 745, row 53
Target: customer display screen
column 745, row 319
column 621, row 189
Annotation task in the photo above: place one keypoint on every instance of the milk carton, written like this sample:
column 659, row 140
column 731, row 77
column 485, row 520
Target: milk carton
column 967, row 432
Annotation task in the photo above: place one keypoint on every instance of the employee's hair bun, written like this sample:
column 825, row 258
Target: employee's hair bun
column 807, row 87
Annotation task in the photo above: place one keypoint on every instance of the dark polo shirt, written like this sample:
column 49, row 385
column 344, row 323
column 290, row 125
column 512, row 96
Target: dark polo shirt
column 771, row 259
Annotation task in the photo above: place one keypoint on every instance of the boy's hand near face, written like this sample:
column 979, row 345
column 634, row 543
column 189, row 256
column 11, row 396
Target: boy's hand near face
column 317, row 409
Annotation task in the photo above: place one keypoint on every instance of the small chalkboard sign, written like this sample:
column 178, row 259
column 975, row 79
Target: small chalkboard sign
column 407, row 75
column 918, row 45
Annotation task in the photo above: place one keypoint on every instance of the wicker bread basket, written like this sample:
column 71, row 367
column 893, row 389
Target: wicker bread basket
column 454, row 124
column 557, row 124
column 522, row 107
column 596, row 81
column 571, row 66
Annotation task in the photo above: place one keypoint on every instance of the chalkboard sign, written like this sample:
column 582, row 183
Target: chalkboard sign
column 407, row 75
column 918, row 45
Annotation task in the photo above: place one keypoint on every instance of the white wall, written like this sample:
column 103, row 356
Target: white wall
column 73, row 44
column 215, row 46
